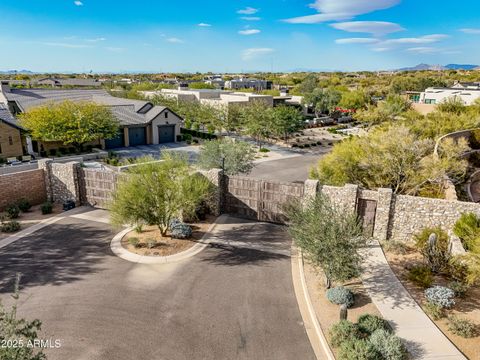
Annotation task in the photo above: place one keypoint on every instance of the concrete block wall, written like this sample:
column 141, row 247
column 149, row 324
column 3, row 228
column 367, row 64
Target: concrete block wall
column 26, row 184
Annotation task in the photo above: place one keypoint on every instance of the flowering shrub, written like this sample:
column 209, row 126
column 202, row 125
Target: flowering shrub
column 441, row 296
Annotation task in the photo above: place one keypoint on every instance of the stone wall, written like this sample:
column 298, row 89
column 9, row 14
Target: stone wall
column 26, row 184
column 62, row 181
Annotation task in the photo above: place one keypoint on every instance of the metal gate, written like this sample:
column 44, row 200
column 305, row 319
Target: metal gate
column 259, row 199
column 366, row 211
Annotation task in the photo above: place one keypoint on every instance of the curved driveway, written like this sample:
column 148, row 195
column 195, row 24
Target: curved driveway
column 234, row 300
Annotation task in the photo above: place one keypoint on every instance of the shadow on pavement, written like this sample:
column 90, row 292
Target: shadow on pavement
column 54, row 255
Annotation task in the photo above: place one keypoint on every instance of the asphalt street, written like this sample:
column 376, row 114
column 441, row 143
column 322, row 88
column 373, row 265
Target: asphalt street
column 234, row 300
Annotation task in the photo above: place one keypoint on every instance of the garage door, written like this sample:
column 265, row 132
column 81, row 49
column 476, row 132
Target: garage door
column 115, row 142
column 137, row 136
column 166, row 134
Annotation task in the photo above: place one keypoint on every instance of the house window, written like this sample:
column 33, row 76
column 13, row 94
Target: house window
column 430, row 101
column 10, row 140
column 166, row 114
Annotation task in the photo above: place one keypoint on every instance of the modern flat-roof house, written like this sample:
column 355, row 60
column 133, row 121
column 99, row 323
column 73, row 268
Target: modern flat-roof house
column 217, row 98
column 246, row 83
column 68, row 82
column 141, row 122
column 466, row 92
column 10, row 135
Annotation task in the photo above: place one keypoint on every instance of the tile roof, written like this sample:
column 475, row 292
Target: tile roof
column 6, row 116
column 126, row 110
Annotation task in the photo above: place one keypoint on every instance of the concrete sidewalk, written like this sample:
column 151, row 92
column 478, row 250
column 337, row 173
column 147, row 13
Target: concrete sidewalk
column 422, row 337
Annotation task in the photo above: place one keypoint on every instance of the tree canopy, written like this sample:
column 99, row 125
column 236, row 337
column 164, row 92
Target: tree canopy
column 74, row 123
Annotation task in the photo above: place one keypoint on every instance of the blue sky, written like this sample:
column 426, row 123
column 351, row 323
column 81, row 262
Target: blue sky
column 236, row 35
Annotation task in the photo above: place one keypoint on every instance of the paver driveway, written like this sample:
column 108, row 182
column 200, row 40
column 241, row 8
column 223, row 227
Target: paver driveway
column 234, row 300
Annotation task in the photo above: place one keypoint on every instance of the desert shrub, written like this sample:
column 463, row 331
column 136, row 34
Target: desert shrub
column 368, row 324
column 138, row 228
column 264, row 150
column 134, row 241
column 46, row 208
column 340, row 295
column 421, row 276
column 461, row 327
column 358, row 349
column 441, row 296
column 24, row 205
column 344, row 331
column 467, row 228
column 437, row 254
column 181, row 231
column 459, row 288
column 10, row 226
column 395, row 247
column 435, row 311
column 151, row 243
column 388, row 345
column 12, row 211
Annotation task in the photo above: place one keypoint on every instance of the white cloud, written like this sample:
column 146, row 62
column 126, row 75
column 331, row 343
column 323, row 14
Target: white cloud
column 339, row 10
column 249, row 32
column 251, row 18
column 66, row 45
column 381, row 49
column 175, row 40
column 252, row 53
column 247, row 11
column 78, row 3
column 426, row 39
column 423, row 50
column 356, row 41
column 204, row 25
column 378, row 28
column 470, row 31
column 96, row 39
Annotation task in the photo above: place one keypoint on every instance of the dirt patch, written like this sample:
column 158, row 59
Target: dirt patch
column 468, row 307
column 165, row 245
column 327, row 313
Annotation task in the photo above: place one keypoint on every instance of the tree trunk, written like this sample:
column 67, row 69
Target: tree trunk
column 328, row 282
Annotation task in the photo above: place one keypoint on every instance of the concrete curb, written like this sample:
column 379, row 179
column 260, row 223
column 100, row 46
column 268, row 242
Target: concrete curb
column 121, row 252
column 43, row 223
column 314, row 330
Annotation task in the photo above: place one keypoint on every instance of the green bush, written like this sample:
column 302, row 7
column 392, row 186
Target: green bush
column 46, row 208
column 467, row 228
column 359, row 349
column 151, row 243
column 138, row 228
column 340, row 295
column 438, row 257
column 459, row 288
column 12, row 211
column 368, row 324
column 435, row 311
column 10, row 226
column 421, row 276
column 343, row 331
column 388, row 345
column 441, row 296
column 264, row 150
column 134, row 241
column 24, row 205
column 181, row 231
column 461, row 327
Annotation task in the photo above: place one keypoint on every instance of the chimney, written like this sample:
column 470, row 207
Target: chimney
column 4, row 86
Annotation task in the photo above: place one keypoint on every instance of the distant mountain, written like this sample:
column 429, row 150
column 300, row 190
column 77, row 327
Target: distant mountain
column 461, row 67
column 420, row 67
column 10, row 72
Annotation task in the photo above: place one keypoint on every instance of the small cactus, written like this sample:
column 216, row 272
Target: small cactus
column 343, row 312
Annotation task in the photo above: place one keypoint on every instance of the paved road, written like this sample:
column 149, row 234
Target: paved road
column 289, row 169
column 234, row 300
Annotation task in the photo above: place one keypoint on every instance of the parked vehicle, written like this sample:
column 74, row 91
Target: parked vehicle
column 344, row 120
column 324, row 121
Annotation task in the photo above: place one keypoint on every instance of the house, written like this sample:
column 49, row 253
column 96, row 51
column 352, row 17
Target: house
column 213, row 97
column 10, row 135
column 68, row 82
column 141, row 122
column 436, row 95
column 247, row 83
